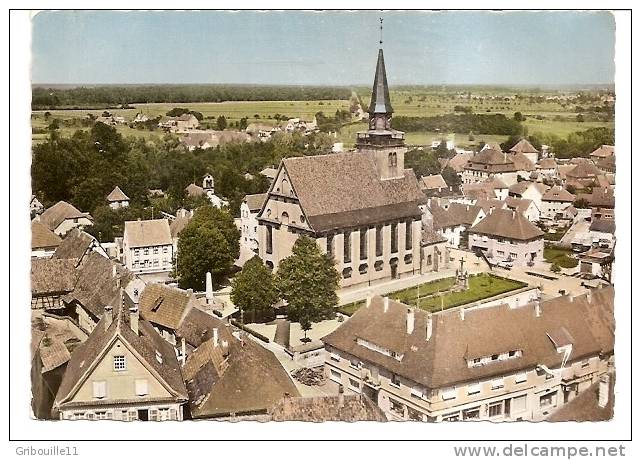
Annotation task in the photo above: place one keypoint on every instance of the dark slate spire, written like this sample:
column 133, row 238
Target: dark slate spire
column 380, row 102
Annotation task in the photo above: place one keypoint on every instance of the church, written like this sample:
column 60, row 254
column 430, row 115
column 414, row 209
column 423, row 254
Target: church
column 361, row 207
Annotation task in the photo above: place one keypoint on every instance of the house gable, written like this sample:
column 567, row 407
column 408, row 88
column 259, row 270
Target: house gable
column 282, row 204
column 119, row 385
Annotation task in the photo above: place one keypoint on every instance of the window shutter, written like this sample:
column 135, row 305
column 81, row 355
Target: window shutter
column 99, row 389
column 173, row 414
column 153, row 415
column 142, row 387
column 133, row 415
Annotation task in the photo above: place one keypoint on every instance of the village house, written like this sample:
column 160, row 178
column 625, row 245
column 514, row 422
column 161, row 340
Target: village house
column 489, row 163
column 249, row 209
column 583, row 175
column 597, row 263
column 210, row 139
column 43, row 241
column 165, row 307
column 269, row 173
column 62, row 217
column 361, row 207
column 123, row 371
column 547, row 167
column 432, row 185
column 178, row 224
column 223, row 374
column 148, row 246
column 48, row 364
column 601, row 202
column 454, row 222
column 526, row 149
column 495, row 363
column 117, row 199
column 76, row 245
column 457, row 162
column 533, row 191
column 523, row 206
column 184, row 122
column 602, row 232
column 51, row 279
column 140, row 118
column 35, row 206
column 207, row 190
column 489, row 189
column 507, row 236
column 555, row 201
column 604, row 151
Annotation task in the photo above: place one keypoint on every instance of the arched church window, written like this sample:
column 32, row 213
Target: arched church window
column 392, row 160
column 285, row 218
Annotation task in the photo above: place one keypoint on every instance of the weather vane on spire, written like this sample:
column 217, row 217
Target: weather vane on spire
column 381, row 40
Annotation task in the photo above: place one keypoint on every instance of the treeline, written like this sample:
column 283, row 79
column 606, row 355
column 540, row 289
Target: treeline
column 464, row 123
column 51, row 98
column 84, row 168
column 577, row 144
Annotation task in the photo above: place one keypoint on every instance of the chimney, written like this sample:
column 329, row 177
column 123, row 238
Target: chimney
column 462, row 313
column 537, row 308
column 513, row 214
column 133, row 318
column 604, row 390
column 215, row 336
column 410, row 320
column 108, row 316
column 114, row 271
column 428, row 327
column 368, row 299
column 589, row 295
column 209, row 291
column 385, row 304
column 341, row 396
column 571, row 298
column 183, row 350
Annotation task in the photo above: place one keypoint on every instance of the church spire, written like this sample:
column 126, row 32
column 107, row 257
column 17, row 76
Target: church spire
column 380, row 102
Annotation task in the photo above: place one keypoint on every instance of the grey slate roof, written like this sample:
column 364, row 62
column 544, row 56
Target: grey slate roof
column 380, row 102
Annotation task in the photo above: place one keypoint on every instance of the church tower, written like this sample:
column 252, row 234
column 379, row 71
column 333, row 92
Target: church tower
column 385, row 144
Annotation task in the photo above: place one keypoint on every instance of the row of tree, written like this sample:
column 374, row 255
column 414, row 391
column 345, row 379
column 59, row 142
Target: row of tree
column 48, row 98
column 468, row 122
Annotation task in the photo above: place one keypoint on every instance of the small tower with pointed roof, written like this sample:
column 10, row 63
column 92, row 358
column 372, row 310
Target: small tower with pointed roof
column 384, row 143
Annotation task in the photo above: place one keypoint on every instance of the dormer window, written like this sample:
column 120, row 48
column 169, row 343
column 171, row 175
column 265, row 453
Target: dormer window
column 391, row 159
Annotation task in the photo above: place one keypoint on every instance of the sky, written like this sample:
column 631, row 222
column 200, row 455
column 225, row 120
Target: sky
column 323, row 48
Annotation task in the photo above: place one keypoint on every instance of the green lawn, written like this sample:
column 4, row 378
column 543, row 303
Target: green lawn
column 557, row 235
column 481, row 286
column 560, row 256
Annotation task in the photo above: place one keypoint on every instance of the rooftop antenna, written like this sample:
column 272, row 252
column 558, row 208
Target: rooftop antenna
column 381, row 27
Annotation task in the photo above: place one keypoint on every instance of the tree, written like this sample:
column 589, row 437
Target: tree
column 221, row 219
column 580, row 118
column 242, row 124
column 518, row 116
column 308, row 281
column 450, row 177
column 555, row 268
column 581, row 203
column 571, row 188
column 253, row 290
column 221, row 123
column 201, row 249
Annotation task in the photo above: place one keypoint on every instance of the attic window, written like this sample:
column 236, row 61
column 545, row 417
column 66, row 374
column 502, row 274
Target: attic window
column 157, row 303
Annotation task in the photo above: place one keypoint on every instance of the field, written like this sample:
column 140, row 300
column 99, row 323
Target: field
column 545, row 117
column 560, row 256
column 481, row 287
